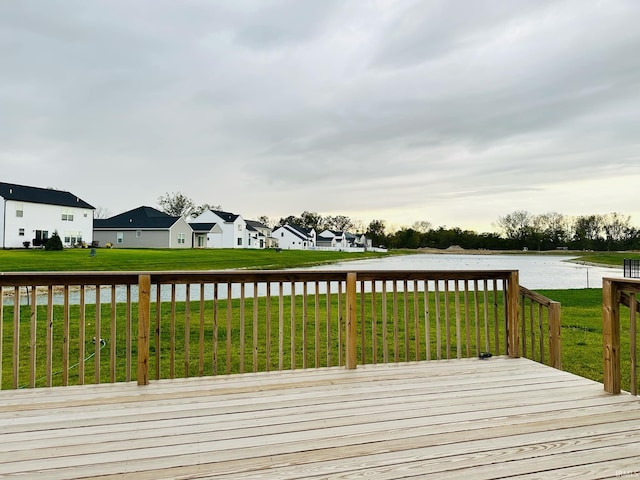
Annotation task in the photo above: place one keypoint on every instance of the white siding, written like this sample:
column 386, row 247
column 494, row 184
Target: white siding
column 36, row 216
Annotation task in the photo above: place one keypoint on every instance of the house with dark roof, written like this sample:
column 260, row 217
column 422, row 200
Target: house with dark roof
column 294, row 237
column 233, row 226
column 143, row 227
column 33, row 214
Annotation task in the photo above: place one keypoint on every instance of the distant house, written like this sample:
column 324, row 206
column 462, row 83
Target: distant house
column 260, row 236
column 234, row 229
column 32, row 214
column 334, row 239
column 294, row 237
column 143, row 227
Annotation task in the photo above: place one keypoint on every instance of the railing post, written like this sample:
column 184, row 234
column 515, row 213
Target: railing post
column 555, row 343
column 144, row 321
column 513, row 313
column 611, row 337
column 351, row 321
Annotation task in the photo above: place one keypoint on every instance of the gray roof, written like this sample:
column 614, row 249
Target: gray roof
column 47, row 196
column 138, row 218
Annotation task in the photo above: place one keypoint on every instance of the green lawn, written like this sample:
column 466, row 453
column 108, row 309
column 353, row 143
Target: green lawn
column 168, row 259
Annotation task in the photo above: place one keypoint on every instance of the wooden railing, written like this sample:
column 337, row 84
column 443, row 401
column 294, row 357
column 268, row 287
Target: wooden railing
column 540, row 328
column 76, row 328
column 619, row 298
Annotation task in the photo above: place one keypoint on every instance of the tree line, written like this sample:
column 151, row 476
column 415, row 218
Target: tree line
column 515, row 231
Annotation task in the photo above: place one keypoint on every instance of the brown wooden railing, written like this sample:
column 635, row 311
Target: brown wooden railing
column 76, row 328
column 619, row 296
column 540, row 328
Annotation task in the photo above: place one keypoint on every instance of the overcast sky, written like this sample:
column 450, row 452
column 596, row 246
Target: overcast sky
column 455, row 112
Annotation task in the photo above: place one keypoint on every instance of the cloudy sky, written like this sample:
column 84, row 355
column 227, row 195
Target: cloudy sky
column 455, row 112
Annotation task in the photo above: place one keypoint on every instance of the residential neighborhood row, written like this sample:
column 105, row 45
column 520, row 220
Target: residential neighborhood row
column 30, row 215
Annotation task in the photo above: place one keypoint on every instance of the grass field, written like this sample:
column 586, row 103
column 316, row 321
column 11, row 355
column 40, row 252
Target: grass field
column 169, row 259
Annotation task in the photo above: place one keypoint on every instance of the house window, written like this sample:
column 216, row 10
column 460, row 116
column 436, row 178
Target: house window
column 67, row 215
column 282, row 234
column 120, row 237
column 138, row 233
column 73, row 238
column 181, row 238
column 239, row 227
column 21, row 232
column 19, row 210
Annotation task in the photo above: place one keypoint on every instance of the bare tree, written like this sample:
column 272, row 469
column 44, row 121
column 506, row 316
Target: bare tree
column 203, row 208
column 101, row 212
column 176, row 204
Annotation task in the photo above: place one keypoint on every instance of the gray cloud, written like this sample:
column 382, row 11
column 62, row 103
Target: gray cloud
column 453, row 112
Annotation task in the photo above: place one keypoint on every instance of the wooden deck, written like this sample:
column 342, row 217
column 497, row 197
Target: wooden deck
column 480, row 419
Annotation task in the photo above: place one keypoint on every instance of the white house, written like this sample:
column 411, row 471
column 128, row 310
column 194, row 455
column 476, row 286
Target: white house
column 260, row 235
column 294, row 237
column 234, row 229
column 32, row 214
column 330, row 238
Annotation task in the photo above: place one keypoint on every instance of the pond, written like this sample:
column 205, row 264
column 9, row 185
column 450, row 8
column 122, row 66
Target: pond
column 535, row 271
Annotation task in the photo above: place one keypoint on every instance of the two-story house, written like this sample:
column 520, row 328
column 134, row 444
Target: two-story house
column 294, row 238
column 33, row 214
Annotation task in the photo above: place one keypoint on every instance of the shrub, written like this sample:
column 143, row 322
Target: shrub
column 54, row 243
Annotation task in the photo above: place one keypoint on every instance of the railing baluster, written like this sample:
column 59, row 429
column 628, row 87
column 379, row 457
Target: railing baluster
column 98, row 336
column 187, row 329
column 280, row 326
column 396, row 353
column 374, row 321
column 466, row 318
column 363, row 328
column 633, row 342
column 215, row 352
column 293, row 325
column 385, row 333
column 158, row 331
column 16, row 337
column 436, row 296
column 49, row 341
column 81, row 337
column 242, row 326
column 255, row 327
column 33, row 338
column 229, row 333
column 172, row 334
column 328, row 318
column 458, row 321
column 113, row 337
column 129, row 334
column 316, row 324
column 201, row 339
column 416, row 320
column 427, row 321
column 305, row 325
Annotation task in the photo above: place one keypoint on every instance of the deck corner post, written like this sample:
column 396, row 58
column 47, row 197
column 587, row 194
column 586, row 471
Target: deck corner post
column 610, row 337
column 351, row 360
column 144, row 322
column 555, row 343
column 513, row 315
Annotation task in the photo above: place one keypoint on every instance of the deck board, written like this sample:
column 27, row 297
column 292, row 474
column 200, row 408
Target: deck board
column 495, row 418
